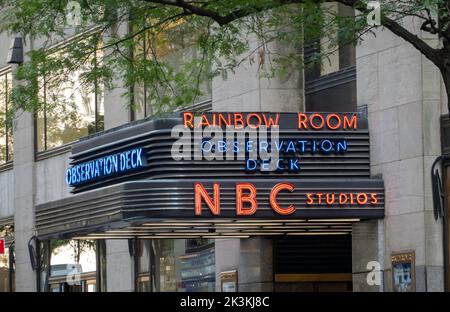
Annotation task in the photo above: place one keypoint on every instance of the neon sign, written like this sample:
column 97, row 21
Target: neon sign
column 247, row 202
column 314, row 121
column 330, row 139
column 105, row 166
column 255, row 138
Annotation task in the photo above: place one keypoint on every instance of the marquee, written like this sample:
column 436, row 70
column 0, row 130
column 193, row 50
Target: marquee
column 179, row 176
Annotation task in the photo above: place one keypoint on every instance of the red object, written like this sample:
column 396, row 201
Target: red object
column 2, row 246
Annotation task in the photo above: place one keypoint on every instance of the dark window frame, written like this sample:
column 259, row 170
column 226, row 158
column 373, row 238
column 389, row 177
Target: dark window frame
column 151, row 270
column 44, row 274
column 101, row 265
column 317, row 85
column 60, row 148
column 201, row 106
column 8, row 157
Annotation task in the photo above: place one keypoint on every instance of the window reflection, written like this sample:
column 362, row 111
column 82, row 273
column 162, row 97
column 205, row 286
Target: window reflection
column 176, row 265
column 336, row 58
column 6, row 138
column 71, row 109
column 73, row 266
column 174, row 46
column 337, row 62
column 198, row 271
column 167, row 268
column 144, row 281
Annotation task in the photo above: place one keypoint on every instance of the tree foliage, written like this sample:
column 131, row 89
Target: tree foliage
column 223, row 34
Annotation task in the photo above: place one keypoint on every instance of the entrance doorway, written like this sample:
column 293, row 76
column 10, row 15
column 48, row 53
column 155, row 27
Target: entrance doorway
column 313, row 263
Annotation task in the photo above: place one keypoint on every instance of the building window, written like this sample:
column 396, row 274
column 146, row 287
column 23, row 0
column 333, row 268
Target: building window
column 335, row 77
column 174, row 46
column 175, row 265
column 6, row 136
column 144, row 262
column 73, row 266
column 71, row 109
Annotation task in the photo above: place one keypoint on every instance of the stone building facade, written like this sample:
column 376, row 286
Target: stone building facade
column 399, row 90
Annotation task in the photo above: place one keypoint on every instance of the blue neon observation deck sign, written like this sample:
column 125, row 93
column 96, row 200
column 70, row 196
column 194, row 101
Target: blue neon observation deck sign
column 105, row 166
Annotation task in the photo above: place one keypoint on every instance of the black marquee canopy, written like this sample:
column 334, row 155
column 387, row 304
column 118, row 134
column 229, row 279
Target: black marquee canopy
column 158, row 200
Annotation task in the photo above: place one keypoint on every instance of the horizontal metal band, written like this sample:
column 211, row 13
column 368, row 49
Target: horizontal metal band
column 134, row 204
column 52, row 152
column 204, row 106
column 331, row 80
column 7, row 166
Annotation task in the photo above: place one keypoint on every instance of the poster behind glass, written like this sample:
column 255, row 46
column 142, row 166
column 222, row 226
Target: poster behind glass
column 403, row 272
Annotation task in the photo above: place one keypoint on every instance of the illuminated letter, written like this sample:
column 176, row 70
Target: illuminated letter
column 187, row 120
column 363, row 200
column 280, row 164
column 249, row 124
column 251, row 164
column 341, row 146
column 139, row 157
column 133, row 157
column 273, row 198
column 68, row 176
column 330, row 125
column 122, row 162
column 200, row 193
column 115, row 160
column 309, row 198
column 269, row 123
column 311, row 121
column 353, row 123
column 324, row 148
column 238, row 118
column 128, row 159
column 250, row 198
column 373, row 198
column 302, row 121
column 222, row 119
column 329, row 198
column 319, row 198
column 214, row 124
column 73, row 172
column 342, row 199
column 351, row 199
column 205, row 122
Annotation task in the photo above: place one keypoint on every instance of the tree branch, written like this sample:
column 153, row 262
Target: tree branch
column 429, row 52
column 217, row 17
column 192, row 9
column 434, row 55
